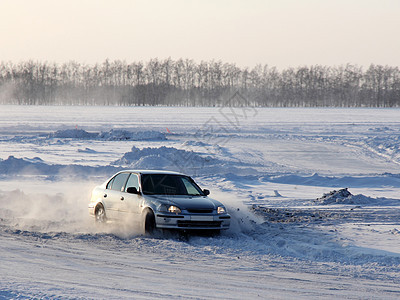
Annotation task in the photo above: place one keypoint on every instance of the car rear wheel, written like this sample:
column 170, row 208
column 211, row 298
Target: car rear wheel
column 100, row 214
column 149, row 222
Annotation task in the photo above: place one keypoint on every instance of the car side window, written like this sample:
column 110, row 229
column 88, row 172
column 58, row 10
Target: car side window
column 119, row 182
column 109, row 184
column 133, row 181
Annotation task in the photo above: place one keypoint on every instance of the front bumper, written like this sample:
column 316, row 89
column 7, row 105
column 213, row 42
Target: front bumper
column 193, row 222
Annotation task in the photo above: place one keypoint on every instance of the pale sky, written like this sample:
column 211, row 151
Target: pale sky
column 279, row 33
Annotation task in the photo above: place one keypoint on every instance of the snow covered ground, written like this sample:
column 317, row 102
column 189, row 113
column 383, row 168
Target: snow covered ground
column 280, row 171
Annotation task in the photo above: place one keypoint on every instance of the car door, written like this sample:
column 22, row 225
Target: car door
column 131, row 203
column 113, row 195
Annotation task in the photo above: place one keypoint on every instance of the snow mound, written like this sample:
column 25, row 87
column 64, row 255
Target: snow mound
column 194, row 143
column 33, row 160
column 343, row 196
column 164, row 158
column 73, row 134
column 204, row 147
column 36, row 166
column 13, row 165
column 122, row 135
column 180, row 160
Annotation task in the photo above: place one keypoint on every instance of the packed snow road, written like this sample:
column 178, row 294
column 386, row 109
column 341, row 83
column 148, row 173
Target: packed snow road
column 295, row 233
column 106, row 266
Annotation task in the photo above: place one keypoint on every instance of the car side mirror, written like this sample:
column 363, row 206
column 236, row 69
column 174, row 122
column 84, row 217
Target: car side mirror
column 206, row 192
column 132, row 190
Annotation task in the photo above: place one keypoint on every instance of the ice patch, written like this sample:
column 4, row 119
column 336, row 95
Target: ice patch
column 112, row 135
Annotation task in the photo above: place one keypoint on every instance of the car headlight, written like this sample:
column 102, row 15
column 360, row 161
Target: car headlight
column 174, row 209
column 221, row 210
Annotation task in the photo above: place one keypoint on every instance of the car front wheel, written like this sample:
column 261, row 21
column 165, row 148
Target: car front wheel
column 149, row 222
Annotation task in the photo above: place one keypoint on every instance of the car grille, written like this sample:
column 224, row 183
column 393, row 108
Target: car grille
column 200, row 211
column 199, row 224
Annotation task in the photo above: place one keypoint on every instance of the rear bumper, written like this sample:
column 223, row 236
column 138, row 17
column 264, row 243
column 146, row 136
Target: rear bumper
column 91, row 207
column 193, row 222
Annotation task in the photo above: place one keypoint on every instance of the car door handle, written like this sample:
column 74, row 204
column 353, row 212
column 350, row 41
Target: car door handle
column 105, row 196
column 122, row 198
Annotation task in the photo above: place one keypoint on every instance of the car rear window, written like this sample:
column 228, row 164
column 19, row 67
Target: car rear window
column 118, row 182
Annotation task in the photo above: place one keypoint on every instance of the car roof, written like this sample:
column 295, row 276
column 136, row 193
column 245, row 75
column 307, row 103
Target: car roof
column 153, row 172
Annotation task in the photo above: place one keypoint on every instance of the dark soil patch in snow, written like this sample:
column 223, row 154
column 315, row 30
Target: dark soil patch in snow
column 343, row 196
column 324, row 217
column 282, row 215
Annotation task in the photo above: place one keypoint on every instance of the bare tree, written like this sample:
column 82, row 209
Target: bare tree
column 185, row 82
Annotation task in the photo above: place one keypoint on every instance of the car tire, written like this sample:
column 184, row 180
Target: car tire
column 100, row 214
column 149, row 221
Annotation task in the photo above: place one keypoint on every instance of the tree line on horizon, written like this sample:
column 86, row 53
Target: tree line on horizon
column 184, row 82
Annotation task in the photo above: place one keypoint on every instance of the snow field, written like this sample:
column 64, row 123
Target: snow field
column 270, row 167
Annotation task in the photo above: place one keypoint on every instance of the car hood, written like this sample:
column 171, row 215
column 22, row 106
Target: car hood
column 186, row 202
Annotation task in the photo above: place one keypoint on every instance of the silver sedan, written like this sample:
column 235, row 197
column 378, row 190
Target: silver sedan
column 158, row 199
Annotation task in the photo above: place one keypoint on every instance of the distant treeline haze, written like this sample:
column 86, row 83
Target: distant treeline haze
column 184, row 82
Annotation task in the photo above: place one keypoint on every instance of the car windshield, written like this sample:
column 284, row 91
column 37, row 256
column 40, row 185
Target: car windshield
column 168, row 184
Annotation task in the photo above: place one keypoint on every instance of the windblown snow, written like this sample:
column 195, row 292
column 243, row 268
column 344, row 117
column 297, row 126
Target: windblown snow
column 313, row 195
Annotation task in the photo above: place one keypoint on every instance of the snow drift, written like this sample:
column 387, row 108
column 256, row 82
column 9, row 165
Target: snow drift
column 73, row 134
column 36, row 166
column 167, row 158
